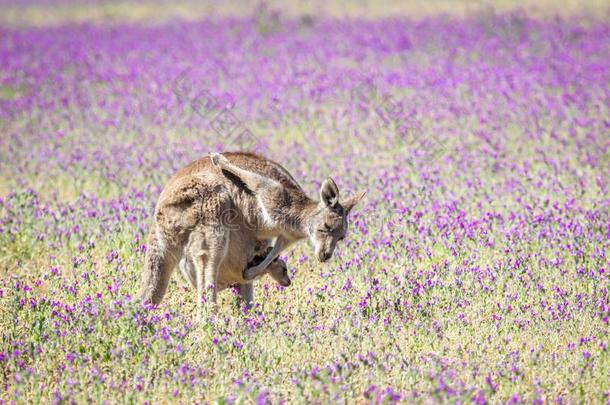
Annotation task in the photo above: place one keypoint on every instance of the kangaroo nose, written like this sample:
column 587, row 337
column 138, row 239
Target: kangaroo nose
column 324, row 256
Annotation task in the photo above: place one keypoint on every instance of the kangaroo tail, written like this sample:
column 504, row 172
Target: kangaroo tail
column 158, row 266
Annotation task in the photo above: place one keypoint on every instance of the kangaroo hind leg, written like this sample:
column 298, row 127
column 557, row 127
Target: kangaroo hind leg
column 207, row 250
column 188, row 271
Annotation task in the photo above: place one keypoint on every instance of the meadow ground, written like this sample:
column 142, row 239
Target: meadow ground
column 475, row 270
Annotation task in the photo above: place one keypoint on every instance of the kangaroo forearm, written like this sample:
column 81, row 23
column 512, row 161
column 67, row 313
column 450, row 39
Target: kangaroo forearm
column 253, row 272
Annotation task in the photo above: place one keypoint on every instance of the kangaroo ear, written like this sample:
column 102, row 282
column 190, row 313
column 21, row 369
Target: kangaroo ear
column 329, row 193
column 353, row 200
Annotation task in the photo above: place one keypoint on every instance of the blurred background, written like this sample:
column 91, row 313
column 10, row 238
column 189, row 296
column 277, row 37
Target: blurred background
column 46, row 12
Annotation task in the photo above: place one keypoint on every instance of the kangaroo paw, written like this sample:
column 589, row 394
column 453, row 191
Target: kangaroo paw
column 251, row 273
column 248, row 274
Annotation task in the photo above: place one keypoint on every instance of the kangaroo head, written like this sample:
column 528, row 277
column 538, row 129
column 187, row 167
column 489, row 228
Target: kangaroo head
column 328, row 225
column 278, row 270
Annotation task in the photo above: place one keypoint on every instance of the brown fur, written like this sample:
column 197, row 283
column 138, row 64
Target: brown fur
column 201, row 208
column 215, row 218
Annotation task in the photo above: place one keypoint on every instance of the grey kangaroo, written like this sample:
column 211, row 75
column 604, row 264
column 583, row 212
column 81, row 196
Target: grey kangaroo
column 211, row 210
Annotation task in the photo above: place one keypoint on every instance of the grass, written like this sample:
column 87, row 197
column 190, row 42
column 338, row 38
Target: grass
column 414, row 342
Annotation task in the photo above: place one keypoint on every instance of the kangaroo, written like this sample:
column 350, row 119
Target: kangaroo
column 210, row 209
column 241, row 249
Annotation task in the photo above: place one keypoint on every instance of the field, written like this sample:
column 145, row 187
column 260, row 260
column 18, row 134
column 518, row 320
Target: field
column 476, row 269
